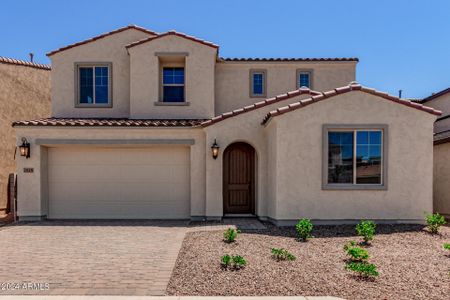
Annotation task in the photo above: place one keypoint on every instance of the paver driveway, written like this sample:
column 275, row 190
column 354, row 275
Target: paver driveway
column 91, row 257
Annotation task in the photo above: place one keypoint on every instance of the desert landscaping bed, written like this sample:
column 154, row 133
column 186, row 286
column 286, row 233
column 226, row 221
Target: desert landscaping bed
column 411, row 263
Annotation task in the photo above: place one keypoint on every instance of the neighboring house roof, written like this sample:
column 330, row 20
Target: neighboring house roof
column 173, row 32
column 435, row 95
column 272, row 59
column 441, row 137
column 12, row 61
column 342, row 90
column 102, row 36
column 106, row 122
column 269, row 101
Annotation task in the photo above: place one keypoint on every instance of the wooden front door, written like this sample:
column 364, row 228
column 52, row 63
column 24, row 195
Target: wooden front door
column 239, row 179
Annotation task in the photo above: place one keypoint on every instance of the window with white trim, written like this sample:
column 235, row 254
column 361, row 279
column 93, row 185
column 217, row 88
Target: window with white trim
column 173, row 84
column 94, row 84
column 303, row 79
column 355, row 157
column 257, row 83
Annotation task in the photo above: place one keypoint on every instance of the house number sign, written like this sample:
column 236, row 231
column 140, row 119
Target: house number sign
column 28, row 170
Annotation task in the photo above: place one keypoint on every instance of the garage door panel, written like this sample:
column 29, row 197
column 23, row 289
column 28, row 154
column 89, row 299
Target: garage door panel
column 89, row 182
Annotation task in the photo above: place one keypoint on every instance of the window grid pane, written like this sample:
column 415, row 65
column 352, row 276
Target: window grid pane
column 173, row 84
column 340, row 157
column 86, row 85
column 101, row 85
column 258, row 83
column 368, row 157
column 303, row 80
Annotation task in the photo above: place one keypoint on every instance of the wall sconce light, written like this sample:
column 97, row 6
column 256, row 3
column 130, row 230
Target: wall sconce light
column 215, row 149
column 25, row 148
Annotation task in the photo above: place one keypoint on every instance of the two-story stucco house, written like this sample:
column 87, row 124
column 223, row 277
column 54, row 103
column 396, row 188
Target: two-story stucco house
column 158, row 126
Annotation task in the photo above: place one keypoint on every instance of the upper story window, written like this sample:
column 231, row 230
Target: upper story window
column 355, row 157
column 173, row 84
column 93, row 85
column 304, row 78
column 257, row 83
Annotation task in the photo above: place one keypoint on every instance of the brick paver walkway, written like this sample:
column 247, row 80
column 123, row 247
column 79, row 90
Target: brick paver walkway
column 91, row 257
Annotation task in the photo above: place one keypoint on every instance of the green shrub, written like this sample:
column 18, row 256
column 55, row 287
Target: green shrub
column 349, row 245
column 282, row 254
column 304, row 228
column 446, row 246
column 364, row 269
column 230, row 235
column 366, row 229
column 357, row 254
column 235, row 262
column 434, row 221
column 226, row 261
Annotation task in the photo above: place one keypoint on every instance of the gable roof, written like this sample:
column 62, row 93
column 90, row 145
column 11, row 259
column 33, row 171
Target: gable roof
column 353, row 86
column 173, row 32
column 287, row 59
column 435, row 95
column 13, row 61
column 100, row 37
column 269, row 101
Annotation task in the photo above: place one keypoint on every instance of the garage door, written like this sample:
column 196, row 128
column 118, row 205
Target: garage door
column 119, row 183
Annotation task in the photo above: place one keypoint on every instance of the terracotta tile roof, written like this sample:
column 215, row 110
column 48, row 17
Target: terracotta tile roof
column 269, row 101
column 353, row 86
column 173, row 32
column 106, row 122
column 12, row 61
column 435, row 95
column 102, row 36
column 270, row 59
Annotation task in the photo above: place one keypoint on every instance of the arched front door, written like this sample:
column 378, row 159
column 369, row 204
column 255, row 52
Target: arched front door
column 239, row 179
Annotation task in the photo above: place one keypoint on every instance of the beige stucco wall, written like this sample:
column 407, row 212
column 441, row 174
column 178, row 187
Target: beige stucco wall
column 33, row 190
column 233, row 86
column 299, row 161
column 199, row 79
column 247, row 128
column 24, row 94
column 109, row 49
column 441, row 103
column 441, row 186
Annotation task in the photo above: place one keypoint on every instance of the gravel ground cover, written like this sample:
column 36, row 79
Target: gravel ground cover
column 411, row 262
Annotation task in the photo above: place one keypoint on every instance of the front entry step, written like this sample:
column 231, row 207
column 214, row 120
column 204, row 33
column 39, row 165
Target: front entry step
column 244, row 223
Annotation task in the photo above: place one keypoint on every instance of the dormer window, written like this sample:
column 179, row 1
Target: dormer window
column 93, row 85
column 173, row 84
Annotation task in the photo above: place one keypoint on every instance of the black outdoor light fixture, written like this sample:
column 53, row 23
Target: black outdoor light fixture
column 25, row 148
column 215, row 149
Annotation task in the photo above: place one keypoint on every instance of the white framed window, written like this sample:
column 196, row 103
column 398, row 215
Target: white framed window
column 355, row 157
column 93, row 84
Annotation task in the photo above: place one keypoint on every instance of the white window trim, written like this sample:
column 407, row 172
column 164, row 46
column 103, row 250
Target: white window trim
column 355, row 128
column 79, row 65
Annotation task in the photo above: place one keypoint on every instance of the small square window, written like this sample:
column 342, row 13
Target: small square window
column 304, row 79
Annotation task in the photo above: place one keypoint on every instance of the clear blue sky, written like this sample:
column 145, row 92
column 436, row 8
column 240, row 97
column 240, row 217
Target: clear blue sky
column 401, row 44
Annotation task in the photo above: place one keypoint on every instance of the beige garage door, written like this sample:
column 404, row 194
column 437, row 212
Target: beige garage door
column 119, row 183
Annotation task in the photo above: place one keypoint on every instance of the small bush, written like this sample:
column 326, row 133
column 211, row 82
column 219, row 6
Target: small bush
column 357, row 254
column 434, row 221
column 282, row 254
column 349, row 245
column 226, row 261
column 364, row 269
column 230, row 235
column 234, row 262
column 304, row 228
column 366, row 229
column 446, row 246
